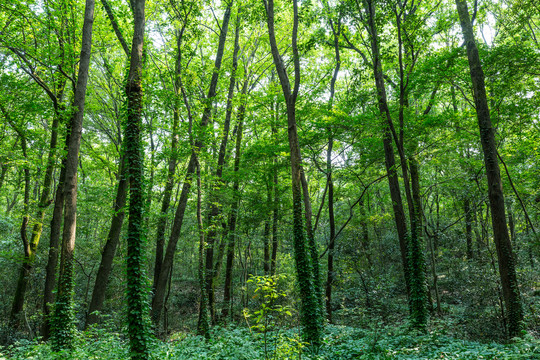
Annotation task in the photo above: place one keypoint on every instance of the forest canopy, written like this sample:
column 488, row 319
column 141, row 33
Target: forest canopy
column 320, row 179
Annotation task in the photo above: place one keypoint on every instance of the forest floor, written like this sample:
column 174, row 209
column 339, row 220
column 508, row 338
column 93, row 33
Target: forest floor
column 340, row 343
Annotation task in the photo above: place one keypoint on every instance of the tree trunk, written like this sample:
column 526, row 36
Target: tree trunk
column 202, row 323
column 468, row 227
column 173, row 160
column 109, row 250
column 266, row 233
column 215, row 207
column 63, row 315
column 275, row 212
column 332, row 243
column 418, row 298
column 332, row 223
column 231, row 234
column 136, row 294
column 26, row 267
column 54, row 248
column 507, row 269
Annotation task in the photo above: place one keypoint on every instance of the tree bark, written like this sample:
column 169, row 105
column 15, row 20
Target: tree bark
column 418, row 298
column 507, row 268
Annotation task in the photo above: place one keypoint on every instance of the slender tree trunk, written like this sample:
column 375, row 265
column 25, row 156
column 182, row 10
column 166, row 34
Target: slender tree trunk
column 109, row 250
column 63, row 331
column 266, row 233
column 26, row 267
column 468, row 227
column 435, row 277
column 275, row 213
column 215, row 208
column 507, row 267
column 202, row 323
column 54, row 248
column 332, row 243
column 393, row 182
column 227, row 292
column 418, row 298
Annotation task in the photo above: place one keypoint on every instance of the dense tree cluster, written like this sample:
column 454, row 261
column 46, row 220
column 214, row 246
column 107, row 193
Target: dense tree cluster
column 171, row 164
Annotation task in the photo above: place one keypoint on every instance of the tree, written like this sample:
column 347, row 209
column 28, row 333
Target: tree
column 307, row 279
column 136, row 288
column 507, row 267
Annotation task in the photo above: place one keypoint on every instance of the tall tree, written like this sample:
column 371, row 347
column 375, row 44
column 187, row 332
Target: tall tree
column 507, row 267
column 115, row 228
column 215, row 210
column 311, row 312
column 136, row 293
column 63, row 312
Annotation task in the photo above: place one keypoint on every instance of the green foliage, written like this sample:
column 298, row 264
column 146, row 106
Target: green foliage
column 340, row 343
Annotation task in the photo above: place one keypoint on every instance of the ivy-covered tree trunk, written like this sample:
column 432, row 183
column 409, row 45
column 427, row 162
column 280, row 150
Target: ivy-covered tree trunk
column 311, row 311
column 136, row 287
column 63, row 326
column 507, row 267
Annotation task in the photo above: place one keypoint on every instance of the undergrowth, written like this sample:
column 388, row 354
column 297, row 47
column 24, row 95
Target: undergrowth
column 340, row 343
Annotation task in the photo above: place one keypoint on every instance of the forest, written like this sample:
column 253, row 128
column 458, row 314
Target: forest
column 275, row 179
